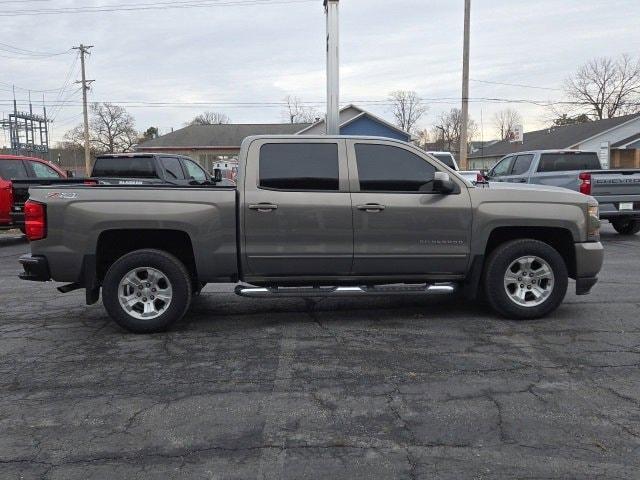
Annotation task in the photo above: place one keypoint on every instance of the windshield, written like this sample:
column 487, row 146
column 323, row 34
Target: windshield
column 445, row 158
column 564, row 161
column 135, row 167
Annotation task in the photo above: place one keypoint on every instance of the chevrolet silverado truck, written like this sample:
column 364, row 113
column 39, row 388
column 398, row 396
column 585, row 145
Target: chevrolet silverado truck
column 315, row 217
column 617, row 191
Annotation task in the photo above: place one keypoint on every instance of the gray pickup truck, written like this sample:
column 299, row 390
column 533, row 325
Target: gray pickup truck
column 314, row 217
column 617, row 191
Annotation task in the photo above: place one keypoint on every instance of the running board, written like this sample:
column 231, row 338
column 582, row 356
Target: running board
column 262, row 292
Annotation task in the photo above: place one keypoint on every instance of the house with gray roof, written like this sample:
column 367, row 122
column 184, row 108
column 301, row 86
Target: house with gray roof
column 616, row 140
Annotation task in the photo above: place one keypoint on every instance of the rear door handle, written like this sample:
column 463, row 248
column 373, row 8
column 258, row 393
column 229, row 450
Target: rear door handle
column 263, row 207
column 371, row 207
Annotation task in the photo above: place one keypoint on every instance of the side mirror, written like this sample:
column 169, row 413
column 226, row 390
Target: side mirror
column 217, row 175
column 442, row 183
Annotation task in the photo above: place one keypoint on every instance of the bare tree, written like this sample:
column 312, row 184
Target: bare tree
column 111, row 130
column 605, row 87
column 505, row 122
column 423, row 138
column 407, row 109
column 210, row 118
column 447, row 130
column 296, row 112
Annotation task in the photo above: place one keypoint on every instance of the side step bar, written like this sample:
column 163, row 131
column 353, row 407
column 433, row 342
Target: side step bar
column 263, row 292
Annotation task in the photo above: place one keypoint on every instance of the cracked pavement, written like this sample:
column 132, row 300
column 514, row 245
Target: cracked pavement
column 398, row 387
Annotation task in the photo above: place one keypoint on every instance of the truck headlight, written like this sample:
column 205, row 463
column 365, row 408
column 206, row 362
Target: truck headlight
column 593, row 226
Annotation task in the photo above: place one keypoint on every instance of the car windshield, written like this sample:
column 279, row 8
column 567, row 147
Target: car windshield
column 445, row 158
column 564, row 161
column 134, row 167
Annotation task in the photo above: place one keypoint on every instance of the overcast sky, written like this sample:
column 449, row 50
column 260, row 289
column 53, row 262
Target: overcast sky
column 260, row 53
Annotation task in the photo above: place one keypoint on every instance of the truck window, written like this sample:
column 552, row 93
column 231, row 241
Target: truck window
column 385, row 168
column 194, row 171
column 558, row 162
column 502, row 168
column 521, row 164
column 173, row 168
column 12, row 169
column 299, row 166
column 134, row 167
column 446, row 158
column 42, row 170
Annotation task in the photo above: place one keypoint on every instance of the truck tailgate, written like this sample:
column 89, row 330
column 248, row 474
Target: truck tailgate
column 615, row 182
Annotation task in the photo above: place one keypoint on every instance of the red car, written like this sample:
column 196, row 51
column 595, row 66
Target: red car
column 14, row 167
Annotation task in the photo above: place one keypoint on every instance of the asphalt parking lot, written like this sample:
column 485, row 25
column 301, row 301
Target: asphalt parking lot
column 399, row 387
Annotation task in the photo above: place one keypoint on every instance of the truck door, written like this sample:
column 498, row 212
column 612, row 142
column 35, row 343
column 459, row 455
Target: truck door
column 297, row 209
column 520, row 169
column 400, row 225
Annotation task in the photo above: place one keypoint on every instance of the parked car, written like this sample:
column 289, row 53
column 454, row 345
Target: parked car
column 314, row 217
column 145, row 168
column 449, row 160
column 30, row 171
column 617, row 191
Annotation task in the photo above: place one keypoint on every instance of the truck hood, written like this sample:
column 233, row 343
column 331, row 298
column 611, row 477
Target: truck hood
column 523, row 192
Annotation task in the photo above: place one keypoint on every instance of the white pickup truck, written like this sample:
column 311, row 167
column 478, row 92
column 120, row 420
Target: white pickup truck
column 617, row 191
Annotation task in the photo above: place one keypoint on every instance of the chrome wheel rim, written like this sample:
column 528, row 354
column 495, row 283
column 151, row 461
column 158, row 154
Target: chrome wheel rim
column 145, row 293
column 529, row 281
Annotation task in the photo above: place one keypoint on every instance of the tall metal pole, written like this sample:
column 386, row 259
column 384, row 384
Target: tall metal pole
column 84, row 49
column 465, row 87
column 333, row 67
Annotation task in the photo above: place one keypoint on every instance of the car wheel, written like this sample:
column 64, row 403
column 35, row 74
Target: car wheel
column 146, row 291
column 525, row 279
column 626, row 226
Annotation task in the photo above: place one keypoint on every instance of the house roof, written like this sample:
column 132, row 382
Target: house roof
column 350, row 114
column 554, row 138
column 627, row 141
column 225, row 135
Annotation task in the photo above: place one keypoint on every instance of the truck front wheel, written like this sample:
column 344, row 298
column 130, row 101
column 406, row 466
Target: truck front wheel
column 525, row 279
column 146, row 291
column 626, row 226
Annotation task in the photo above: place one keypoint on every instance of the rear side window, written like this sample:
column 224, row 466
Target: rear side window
column 558, row 162
column 42, row 170
column 10, row 169
column 385, row 168
column 446, row 159
column 302, row 166
column 173, row 168
column 134, row 167
column 521, row 164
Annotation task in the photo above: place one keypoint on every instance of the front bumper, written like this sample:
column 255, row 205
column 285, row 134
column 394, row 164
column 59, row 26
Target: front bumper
column 589, row 259
column 36, row 268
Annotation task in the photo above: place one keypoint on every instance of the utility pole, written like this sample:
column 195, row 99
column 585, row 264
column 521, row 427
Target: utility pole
column 84, row 50
column 465, row 87
column 333, row 67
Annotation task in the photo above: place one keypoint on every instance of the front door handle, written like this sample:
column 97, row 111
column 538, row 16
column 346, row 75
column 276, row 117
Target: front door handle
column 371, row 207
column 263, row 207
column 523, row 180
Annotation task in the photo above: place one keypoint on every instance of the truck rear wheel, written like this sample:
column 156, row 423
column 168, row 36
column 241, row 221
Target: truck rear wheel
column 525, row 279
column 626, row 226
column 146, row 291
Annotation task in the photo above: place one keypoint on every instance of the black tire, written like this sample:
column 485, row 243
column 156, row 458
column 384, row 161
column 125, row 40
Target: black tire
column 171, row 267
column 494, row 279
column 626, row 226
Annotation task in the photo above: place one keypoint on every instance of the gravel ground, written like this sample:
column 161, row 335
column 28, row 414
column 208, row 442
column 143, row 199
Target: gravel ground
column 398, row 387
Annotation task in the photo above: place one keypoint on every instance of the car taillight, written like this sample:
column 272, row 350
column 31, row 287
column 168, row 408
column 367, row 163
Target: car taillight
column 35, row 220
column 585, row 183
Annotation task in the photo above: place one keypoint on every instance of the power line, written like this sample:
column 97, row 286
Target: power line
column 515, row 85
column 23, row 51
column 149, row 6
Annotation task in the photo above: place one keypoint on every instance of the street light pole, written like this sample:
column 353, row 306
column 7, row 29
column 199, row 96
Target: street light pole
column 465, row 86
column 84, row 50
column 333, row 67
